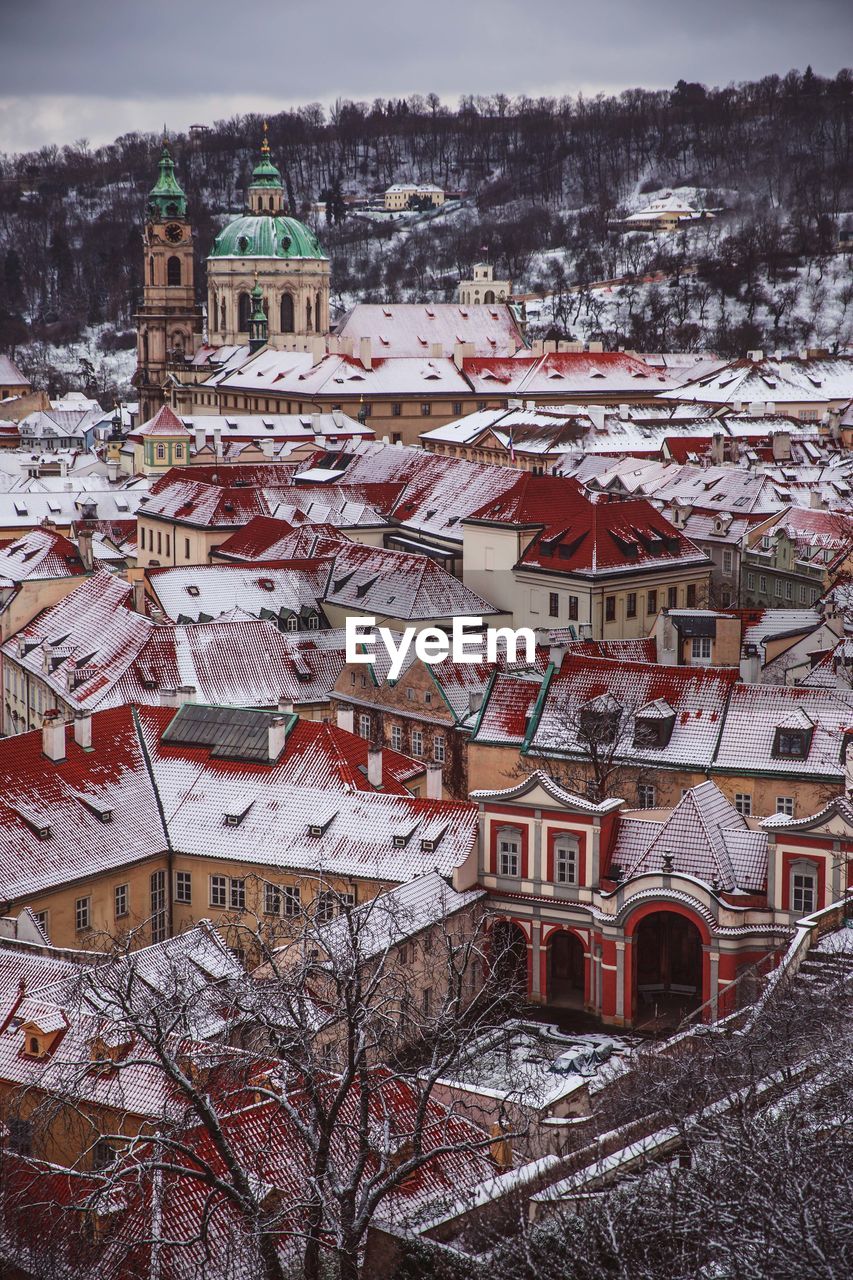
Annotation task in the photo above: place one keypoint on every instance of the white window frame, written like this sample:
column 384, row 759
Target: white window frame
column 509, row 853
column 417, row 742
column 566, row 860
column 83, row 913
column 291, row 900
column 743, row 803
column 219, row 892
column 184, row 884
column 237, row 893
column 785, row 804
column 396, row 737
column 804, row 884
column 121, row 900
column 438, row 748
column 646, row 795
column 273, row 899
column 700, row 649
column 365, row 725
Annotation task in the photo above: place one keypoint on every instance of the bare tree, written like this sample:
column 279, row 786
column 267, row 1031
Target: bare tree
column 306, row 1110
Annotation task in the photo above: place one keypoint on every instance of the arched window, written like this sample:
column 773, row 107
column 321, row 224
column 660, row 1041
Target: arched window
column 145, row 347
column 173, row 271
column 308, row 325
column 244, row 312
column 222, row 315
column 151, row 270
column 272, row 203
column 287, row 313
column 489, row 295
column 317, row 323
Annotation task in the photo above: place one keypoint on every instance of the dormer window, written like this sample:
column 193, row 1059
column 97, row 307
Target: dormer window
column 599, row 721
column 792, row 744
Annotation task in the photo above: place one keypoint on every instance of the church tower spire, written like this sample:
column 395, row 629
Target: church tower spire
column 169, row 323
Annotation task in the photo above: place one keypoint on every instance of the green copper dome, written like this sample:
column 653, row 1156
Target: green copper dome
column 266, row 237
column 167, row 198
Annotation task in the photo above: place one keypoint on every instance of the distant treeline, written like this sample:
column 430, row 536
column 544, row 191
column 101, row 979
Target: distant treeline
column 539, row 174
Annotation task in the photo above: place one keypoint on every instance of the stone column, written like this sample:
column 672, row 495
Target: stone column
column 620, row 978
column 535, row 952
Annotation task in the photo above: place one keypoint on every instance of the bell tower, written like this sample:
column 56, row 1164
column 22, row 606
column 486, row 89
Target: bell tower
column 169, row 323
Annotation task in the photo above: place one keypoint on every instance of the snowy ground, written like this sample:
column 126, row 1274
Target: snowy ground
column 113, row 369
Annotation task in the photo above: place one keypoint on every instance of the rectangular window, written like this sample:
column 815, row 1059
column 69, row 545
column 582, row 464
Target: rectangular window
column 426, row 409
column 438, row 748
column 417, row 741
column 750, row 581
column 743, row 803
column 700, row 648
column 457, row 408
column 672, row 597
column 573, row 608
column 728, row 563
column 183, row 886
column 121, row 893
column 159, row 541
column 803, row 892
column 691, row 595
column 777, row 588
column 652, row 602
column 364, row 726
column 103, row 1154
column 609, row 608
column 509, row 856
column 186, row 548
column 789, row 590
column 82, row 913
column 20, row 1136
column 534, row 601
column 646, row 795
column 553, row 604
column 346, row 902
column 631, row 604
column 272, row 899
column 158, row 906
column 802, row 593
column 41, row 919
column 762, row 584
column 237, row 895
column 426, row 1001
column 785, row 804
column 292, row 900
column 566, row 862
column 325, row 906
column 396, row 737
column 218, row 888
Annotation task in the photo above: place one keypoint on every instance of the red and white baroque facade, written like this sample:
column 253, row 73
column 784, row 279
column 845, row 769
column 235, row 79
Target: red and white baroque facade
column 617, row 912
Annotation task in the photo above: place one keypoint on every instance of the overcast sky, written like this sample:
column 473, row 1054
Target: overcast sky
column 99, row 68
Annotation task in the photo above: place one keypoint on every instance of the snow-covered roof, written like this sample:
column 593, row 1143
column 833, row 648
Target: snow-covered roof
column 411, row 329
column 199, row 592
column 772, row 380
column 10, row 374
column 41, row 553
column 153, row 783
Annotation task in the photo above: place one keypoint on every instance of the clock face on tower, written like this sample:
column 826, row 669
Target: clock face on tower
column 174, row 233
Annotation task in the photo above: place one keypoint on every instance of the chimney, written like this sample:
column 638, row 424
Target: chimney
column 624, row 412
column 267, row 446
column 276, row 736
column 556, row 653
column 317, row 425
column 285, row 706
column 436, row 350
column 750, row 665
column 596, row 417
column 433, row 781
column 200, row 438
column 781, row 443
column 346, row 719
column 139, row 595
column 53, row 736
column 217, row 442
column 374, row 766
column 83, row 730
column 475, row 700
column 461, row 352
column 364, row 353
column 84, row 547
column 112, row 472
column 177, row 697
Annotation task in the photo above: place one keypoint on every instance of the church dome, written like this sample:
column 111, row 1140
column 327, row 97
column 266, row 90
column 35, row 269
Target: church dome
column 267, row 237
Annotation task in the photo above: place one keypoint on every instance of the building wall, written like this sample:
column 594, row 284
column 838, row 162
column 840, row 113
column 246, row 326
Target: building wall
column 304, row 279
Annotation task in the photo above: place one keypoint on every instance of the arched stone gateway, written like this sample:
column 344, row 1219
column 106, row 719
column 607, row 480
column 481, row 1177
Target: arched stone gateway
column 566, row 964
column 668, row 976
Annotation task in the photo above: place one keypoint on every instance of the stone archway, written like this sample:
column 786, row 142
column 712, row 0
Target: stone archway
column 566, row 969
column 668, row 966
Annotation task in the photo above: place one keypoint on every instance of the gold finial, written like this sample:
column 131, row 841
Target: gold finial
column 265, row 142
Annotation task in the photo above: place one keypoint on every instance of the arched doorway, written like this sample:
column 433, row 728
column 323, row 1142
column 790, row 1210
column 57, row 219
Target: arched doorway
column 667, row 966
column 509, row 956
column 565, row 969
